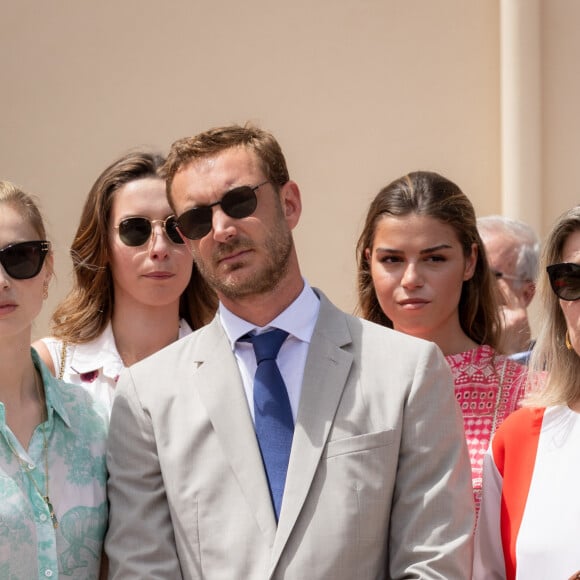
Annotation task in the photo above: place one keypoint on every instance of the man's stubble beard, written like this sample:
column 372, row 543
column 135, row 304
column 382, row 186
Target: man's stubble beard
column 279, row 246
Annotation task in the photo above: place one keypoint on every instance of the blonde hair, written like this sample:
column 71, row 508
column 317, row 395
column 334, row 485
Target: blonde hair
column 25, row 204
column 555, row 379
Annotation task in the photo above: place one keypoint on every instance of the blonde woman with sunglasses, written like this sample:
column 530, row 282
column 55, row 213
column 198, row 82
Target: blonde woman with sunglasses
column 530, row 512
column 53, row 512
column 136, row 288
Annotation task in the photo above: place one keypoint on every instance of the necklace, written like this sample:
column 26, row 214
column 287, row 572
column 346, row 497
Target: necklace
column 45, row 497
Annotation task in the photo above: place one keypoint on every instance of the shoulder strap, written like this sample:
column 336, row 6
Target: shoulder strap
column 498, row 397
column 62, row 359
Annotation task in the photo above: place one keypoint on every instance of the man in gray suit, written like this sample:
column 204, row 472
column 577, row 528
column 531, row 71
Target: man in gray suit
column 356, row 467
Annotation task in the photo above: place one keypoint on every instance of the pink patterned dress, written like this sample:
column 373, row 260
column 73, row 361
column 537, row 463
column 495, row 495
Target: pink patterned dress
column 488, row 387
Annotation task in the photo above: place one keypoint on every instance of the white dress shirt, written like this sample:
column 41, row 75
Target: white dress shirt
column 298, row 320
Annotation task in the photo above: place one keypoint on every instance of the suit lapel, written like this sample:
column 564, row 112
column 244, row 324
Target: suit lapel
column 220, row 387
column 325, row 375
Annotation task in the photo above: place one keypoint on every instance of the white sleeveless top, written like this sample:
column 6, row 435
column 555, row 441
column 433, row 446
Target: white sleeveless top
column 95, row 365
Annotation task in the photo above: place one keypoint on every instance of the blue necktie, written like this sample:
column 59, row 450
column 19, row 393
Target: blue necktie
column 272, row 412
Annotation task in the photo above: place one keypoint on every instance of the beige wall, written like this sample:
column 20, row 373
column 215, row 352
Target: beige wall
column 357, row 91
column 561, row 107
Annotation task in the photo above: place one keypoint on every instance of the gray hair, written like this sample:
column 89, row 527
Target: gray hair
column 523, row 236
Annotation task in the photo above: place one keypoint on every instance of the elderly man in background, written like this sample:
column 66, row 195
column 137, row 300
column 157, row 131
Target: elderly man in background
column 513, row 249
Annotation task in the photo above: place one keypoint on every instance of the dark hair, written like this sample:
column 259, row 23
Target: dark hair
column 216, row 140
column 87, row 309
column 430, row 194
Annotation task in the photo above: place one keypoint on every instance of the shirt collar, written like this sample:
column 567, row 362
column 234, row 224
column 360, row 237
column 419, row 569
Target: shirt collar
column 102, row 353
column 299, row 319
column 53, row 394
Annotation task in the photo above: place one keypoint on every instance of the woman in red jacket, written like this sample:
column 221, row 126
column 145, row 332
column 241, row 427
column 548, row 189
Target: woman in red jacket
column 530, row 513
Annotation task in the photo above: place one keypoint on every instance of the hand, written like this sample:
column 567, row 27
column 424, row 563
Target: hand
column 516, row 327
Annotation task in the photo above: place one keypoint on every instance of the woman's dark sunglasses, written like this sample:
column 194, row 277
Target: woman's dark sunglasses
column 24, row 260
column 565, row 280
column 238, row 203
column 135, row 231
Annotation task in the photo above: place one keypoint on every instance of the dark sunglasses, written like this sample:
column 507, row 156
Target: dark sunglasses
column 135, row 231
column 565, row 280
column 238, row 203
column 24, row 260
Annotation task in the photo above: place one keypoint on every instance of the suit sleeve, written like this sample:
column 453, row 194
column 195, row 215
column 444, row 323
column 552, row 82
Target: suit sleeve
column 433, row 513
column 140, row 541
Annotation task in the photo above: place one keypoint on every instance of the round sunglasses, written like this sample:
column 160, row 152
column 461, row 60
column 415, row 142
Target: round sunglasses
column 135, row 231
column 565, row 280
column 24, row 260
column 237, row 203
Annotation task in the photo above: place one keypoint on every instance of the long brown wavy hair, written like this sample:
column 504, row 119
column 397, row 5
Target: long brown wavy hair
column 87, row 309
column 429, row 194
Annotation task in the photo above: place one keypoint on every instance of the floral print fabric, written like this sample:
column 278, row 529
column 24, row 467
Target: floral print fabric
column 30, row 546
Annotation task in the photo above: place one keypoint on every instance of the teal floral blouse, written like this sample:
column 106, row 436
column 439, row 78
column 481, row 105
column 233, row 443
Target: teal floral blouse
column 30, row 546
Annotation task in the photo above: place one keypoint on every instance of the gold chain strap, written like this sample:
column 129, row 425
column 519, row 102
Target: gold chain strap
column 62, row 359
column 498, row 397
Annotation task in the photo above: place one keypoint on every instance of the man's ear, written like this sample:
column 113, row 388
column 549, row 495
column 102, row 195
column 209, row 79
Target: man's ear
column 528, row 292
column 291, row 202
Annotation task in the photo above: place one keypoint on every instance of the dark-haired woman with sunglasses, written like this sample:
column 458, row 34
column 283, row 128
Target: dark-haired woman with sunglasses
column 529, row 522
column 136, row 288
column 53, row 511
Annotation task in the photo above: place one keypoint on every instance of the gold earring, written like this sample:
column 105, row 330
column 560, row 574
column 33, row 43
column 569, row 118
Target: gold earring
column 568, row 343
column 45, row 290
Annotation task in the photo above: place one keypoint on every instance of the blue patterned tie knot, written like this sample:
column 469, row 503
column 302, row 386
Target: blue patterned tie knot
column 267, row 345
column 272, row 412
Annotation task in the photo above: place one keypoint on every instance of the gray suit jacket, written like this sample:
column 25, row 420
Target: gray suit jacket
column 378, row 485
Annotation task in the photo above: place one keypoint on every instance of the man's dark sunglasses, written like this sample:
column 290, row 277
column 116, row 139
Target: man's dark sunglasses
column 135, row 231
column 565, row 280
column 24, row 260
column 238, row 203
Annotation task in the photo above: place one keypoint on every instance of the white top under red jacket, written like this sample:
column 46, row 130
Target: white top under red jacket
column 529, row 523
